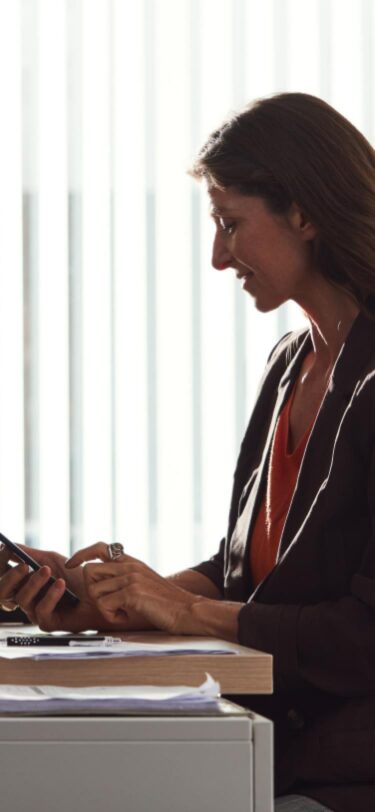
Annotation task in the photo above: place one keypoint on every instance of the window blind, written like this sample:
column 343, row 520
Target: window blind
column 128, row 366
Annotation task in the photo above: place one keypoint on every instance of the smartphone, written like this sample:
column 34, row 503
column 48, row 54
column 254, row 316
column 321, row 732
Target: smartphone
column 68, row 599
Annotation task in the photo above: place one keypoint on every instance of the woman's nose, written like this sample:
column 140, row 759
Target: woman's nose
column 221, row 257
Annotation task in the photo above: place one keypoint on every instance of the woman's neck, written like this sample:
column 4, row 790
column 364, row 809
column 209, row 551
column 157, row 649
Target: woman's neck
column 331, row 317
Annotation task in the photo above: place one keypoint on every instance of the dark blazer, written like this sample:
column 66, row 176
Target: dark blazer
column 315, row 611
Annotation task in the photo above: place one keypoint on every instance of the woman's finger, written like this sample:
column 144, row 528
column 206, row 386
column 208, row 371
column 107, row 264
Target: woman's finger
column 98, row 572
column 47, row 558
column 5, row 556
column 13, row 577
column 126, row 565
column 11, row 582
column 28, row 594
column 98, row 550
column 106, row 586
column 45, row 608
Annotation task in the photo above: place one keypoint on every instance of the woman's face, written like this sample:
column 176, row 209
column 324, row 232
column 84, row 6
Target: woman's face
column 270, row 253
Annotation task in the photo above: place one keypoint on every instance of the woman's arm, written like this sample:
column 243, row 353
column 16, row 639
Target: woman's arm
column 195, row 582
column 126, row 594
column 164, row 599
column 126, row 585
column 212, row 618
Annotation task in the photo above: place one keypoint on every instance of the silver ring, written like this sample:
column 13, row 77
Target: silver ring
column 115, row 551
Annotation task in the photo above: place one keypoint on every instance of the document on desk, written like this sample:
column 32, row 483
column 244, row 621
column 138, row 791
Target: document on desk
column 123, row 649
column 47, row 699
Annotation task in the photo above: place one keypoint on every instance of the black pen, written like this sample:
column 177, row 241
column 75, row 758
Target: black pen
column 56, row 640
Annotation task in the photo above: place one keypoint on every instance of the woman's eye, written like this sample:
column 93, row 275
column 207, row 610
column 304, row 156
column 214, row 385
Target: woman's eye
column 227, row 226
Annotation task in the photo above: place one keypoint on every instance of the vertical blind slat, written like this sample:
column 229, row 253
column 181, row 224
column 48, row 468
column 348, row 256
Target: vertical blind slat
column 29, row 102
column 260, row 51
column 173, row 290
column 11, row 294
column 368, row 67
column 53, row 280
column 346, row 75
column 195, row 43
column 218, row 292
column 74, row 271
column 131, row 442
column 303, row 51
column 96, row 277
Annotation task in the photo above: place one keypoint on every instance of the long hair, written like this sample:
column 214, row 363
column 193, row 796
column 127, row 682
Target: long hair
column 293, row 147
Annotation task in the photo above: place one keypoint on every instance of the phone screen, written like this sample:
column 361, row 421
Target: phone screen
column 68, row 598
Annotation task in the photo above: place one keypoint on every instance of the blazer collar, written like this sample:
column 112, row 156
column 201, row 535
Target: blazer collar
column 351, row 363
column 354, row 355
column 253, row 498
column 352, row 360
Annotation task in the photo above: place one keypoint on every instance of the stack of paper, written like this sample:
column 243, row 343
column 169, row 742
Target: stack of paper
column 53, row 699
column 124, row 649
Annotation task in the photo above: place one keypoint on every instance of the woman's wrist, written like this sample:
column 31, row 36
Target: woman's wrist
column 210, row 618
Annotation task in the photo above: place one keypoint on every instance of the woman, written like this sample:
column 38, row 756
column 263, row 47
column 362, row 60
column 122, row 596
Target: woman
column 292, row 190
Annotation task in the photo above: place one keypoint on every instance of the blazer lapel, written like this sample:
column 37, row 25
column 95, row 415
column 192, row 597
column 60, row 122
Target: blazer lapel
column 352, row 360
column 245, row 522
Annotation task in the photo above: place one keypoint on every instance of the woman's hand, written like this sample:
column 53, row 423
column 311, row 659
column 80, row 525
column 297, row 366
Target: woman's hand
column 19, row 587
column 44, row 609
column 55, row 561
column 124, row 594
column 126, row 587
column 11, row 579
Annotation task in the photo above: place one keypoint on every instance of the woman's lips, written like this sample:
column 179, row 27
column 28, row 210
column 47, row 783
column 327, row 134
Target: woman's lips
column 244, row 278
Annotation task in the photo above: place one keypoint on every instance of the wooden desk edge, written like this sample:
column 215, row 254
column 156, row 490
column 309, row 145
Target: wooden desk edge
column 236, row 674
column 247, row 672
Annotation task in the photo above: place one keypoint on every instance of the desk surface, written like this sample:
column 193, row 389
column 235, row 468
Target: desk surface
column 249, row 672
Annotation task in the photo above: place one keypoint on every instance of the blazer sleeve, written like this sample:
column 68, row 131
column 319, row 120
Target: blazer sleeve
column 214, row 567
column 328, row 644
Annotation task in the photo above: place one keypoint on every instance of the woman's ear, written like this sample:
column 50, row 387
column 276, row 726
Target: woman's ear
column 301, row 223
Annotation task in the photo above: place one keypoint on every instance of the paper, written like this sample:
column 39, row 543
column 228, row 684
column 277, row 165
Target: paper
column 53, row 698
column 125, row 649
column 40, row 693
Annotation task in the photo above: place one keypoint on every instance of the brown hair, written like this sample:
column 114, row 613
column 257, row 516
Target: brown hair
column 293, row 147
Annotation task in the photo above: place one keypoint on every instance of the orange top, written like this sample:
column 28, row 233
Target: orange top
column 282, row 476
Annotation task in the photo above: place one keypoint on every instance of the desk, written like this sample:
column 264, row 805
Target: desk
column 140, row 764
column 136, row 764
column 249, row 672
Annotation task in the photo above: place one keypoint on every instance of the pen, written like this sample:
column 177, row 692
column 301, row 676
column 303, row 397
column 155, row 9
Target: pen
column 65, row 640
column 103, row 641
